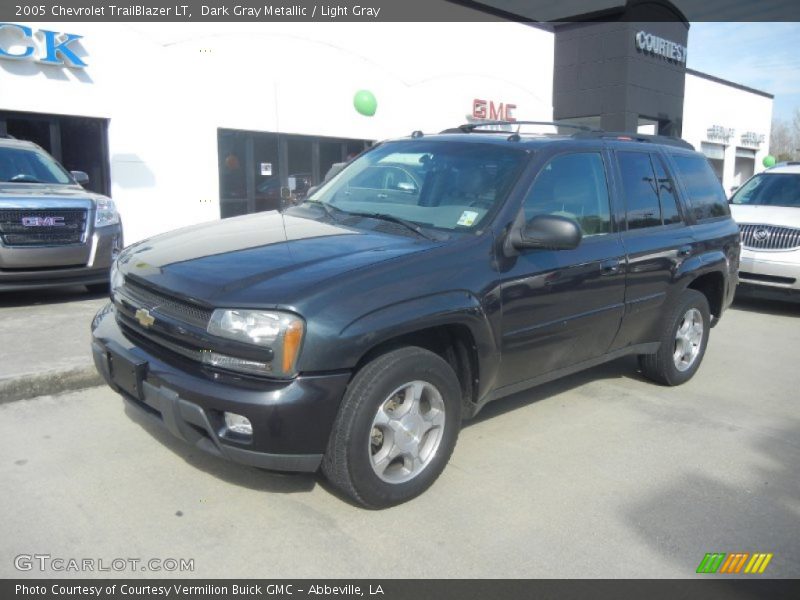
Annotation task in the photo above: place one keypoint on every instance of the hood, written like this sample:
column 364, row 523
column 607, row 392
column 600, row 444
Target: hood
column 264, row 259
column 782, row 216
column 22, row 195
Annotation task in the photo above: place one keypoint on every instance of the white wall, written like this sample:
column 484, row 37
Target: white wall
column 167, row 88
column 708, row 103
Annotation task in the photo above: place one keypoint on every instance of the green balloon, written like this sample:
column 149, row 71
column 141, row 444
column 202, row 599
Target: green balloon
column 769, row 161
column 365, row 103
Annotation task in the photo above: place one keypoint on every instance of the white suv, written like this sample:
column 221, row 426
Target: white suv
column 767, row 208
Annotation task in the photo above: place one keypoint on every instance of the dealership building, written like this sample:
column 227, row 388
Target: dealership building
column 187, row 122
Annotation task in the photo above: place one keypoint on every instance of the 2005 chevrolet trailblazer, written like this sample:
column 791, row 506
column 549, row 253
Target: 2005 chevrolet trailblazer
column 432, row 275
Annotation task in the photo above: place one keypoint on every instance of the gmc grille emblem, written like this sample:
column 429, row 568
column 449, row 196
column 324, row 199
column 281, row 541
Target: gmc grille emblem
column 43, row 221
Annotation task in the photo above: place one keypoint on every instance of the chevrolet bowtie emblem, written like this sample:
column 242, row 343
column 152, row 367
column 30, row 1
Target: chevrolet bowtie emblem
column 144, row 317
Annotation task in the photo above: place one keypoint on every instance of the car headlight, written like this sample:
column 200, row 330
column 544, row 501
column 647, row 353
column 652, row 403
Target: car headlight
column 106, row 213
column 116, row 277
column 279, row 331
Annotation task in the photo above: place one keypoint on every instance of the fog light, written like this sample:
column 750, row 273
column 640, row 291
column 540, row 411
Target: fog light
column 238, row 424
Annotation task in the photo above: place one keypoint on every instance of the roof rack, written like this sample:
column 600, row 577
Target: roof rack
column 635, row 137
column 584, row 132
column 471, row 127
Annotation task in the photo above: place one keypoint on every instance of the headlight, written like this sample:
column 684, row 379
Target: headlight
column 106, row 213
column 116, row 277
column 281, row 332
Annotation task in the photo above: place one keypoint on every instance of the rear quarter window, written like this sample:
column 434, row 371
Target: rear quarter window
column 705, row 194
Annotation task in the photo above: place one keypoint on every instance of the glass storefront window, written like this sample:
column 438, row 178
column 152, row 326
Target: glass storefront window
column 258, row 169
column 78, row 143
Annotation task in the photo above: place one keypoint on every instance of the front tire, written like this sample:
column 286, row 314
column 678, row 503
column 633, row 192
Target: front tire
column 396, row 428
column 683, row 339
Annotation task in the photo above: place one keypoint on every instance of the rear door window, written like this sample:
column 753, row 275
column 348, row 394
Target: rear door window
column 640, row 188
column 706, row 196
column 666, row 193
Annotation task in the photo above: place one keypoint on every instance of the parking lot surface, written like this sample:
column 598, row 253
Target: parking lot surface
column 44, row 341
column 601, row 474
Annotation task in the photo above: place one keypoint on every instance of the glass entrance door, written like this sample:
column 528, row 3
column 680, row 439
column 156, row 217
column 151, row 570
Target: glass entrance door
column 267, row 173
column 233, row 193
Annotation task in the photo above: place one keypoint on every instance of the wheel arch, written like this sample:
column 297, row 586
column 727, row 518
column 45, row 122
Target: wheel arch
column 454, row 342
column 712, row 286
column 452, row 325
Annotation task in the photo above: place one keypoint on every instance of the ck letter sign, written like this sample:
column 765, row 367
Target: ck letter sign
column 18, row 42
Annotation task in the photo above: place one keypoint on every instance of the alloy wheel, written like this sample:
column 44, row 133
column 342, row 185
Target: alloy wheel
column 688, row 339
column 406, row 432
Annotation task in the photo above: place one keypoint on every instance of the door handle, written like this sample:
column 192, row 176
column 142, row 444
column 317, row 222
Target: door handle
column 685, row 250
column 609, row 267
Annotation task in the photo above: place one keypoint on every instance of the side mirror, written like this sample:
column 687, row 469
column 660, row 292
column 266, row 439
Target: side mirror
column 80, row 177
column 550, row 232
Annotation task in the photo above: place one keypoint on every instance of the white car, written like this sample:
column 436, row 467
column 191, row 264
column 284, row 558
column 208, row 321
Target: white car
column 767, row 209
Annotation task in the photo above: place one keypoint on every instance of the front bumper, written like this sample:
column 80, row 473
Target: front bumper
column 770, row 271
column 291, row 420
column 29, row 268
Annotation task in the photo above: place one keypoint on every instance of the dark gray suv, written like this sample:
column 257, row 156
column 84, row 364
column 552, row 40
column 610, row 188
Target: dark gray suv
column 434, row 274
column 52, row 231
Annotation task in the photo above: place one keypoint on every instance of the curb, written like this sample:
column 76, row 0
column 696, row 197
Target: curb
column 48, row 383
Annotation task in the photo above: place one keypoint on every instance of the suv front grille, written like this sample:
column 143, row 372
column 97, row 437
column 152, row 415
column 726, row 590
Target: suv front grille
column 769, row 237
column 43, row 226
column 132, row 296
column 153, row 340
column 152, row 300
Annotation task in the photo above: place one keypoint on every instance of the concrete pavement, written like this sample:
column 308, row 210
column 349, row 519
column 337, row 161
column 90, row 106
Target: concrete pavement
column 44, row 342
column 601, row 474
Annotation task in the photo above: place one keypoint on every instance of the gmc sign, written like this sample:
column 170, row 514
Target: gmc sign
column 487, row 109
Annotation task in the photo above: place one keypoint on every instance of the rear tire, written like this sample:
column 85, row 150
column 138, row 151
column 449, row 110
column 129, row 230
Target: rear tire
column 684, row 338
column 396, row 428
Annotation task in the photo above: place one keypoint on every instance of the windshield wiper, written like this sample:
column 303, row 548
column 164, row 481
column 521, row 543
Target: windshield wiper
column 330, row 209
column 400, row 221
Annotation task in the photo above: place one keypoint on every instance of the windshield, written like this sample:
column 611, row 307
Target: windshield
column 770, row 189
column 27, row 165
column 442, row 185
